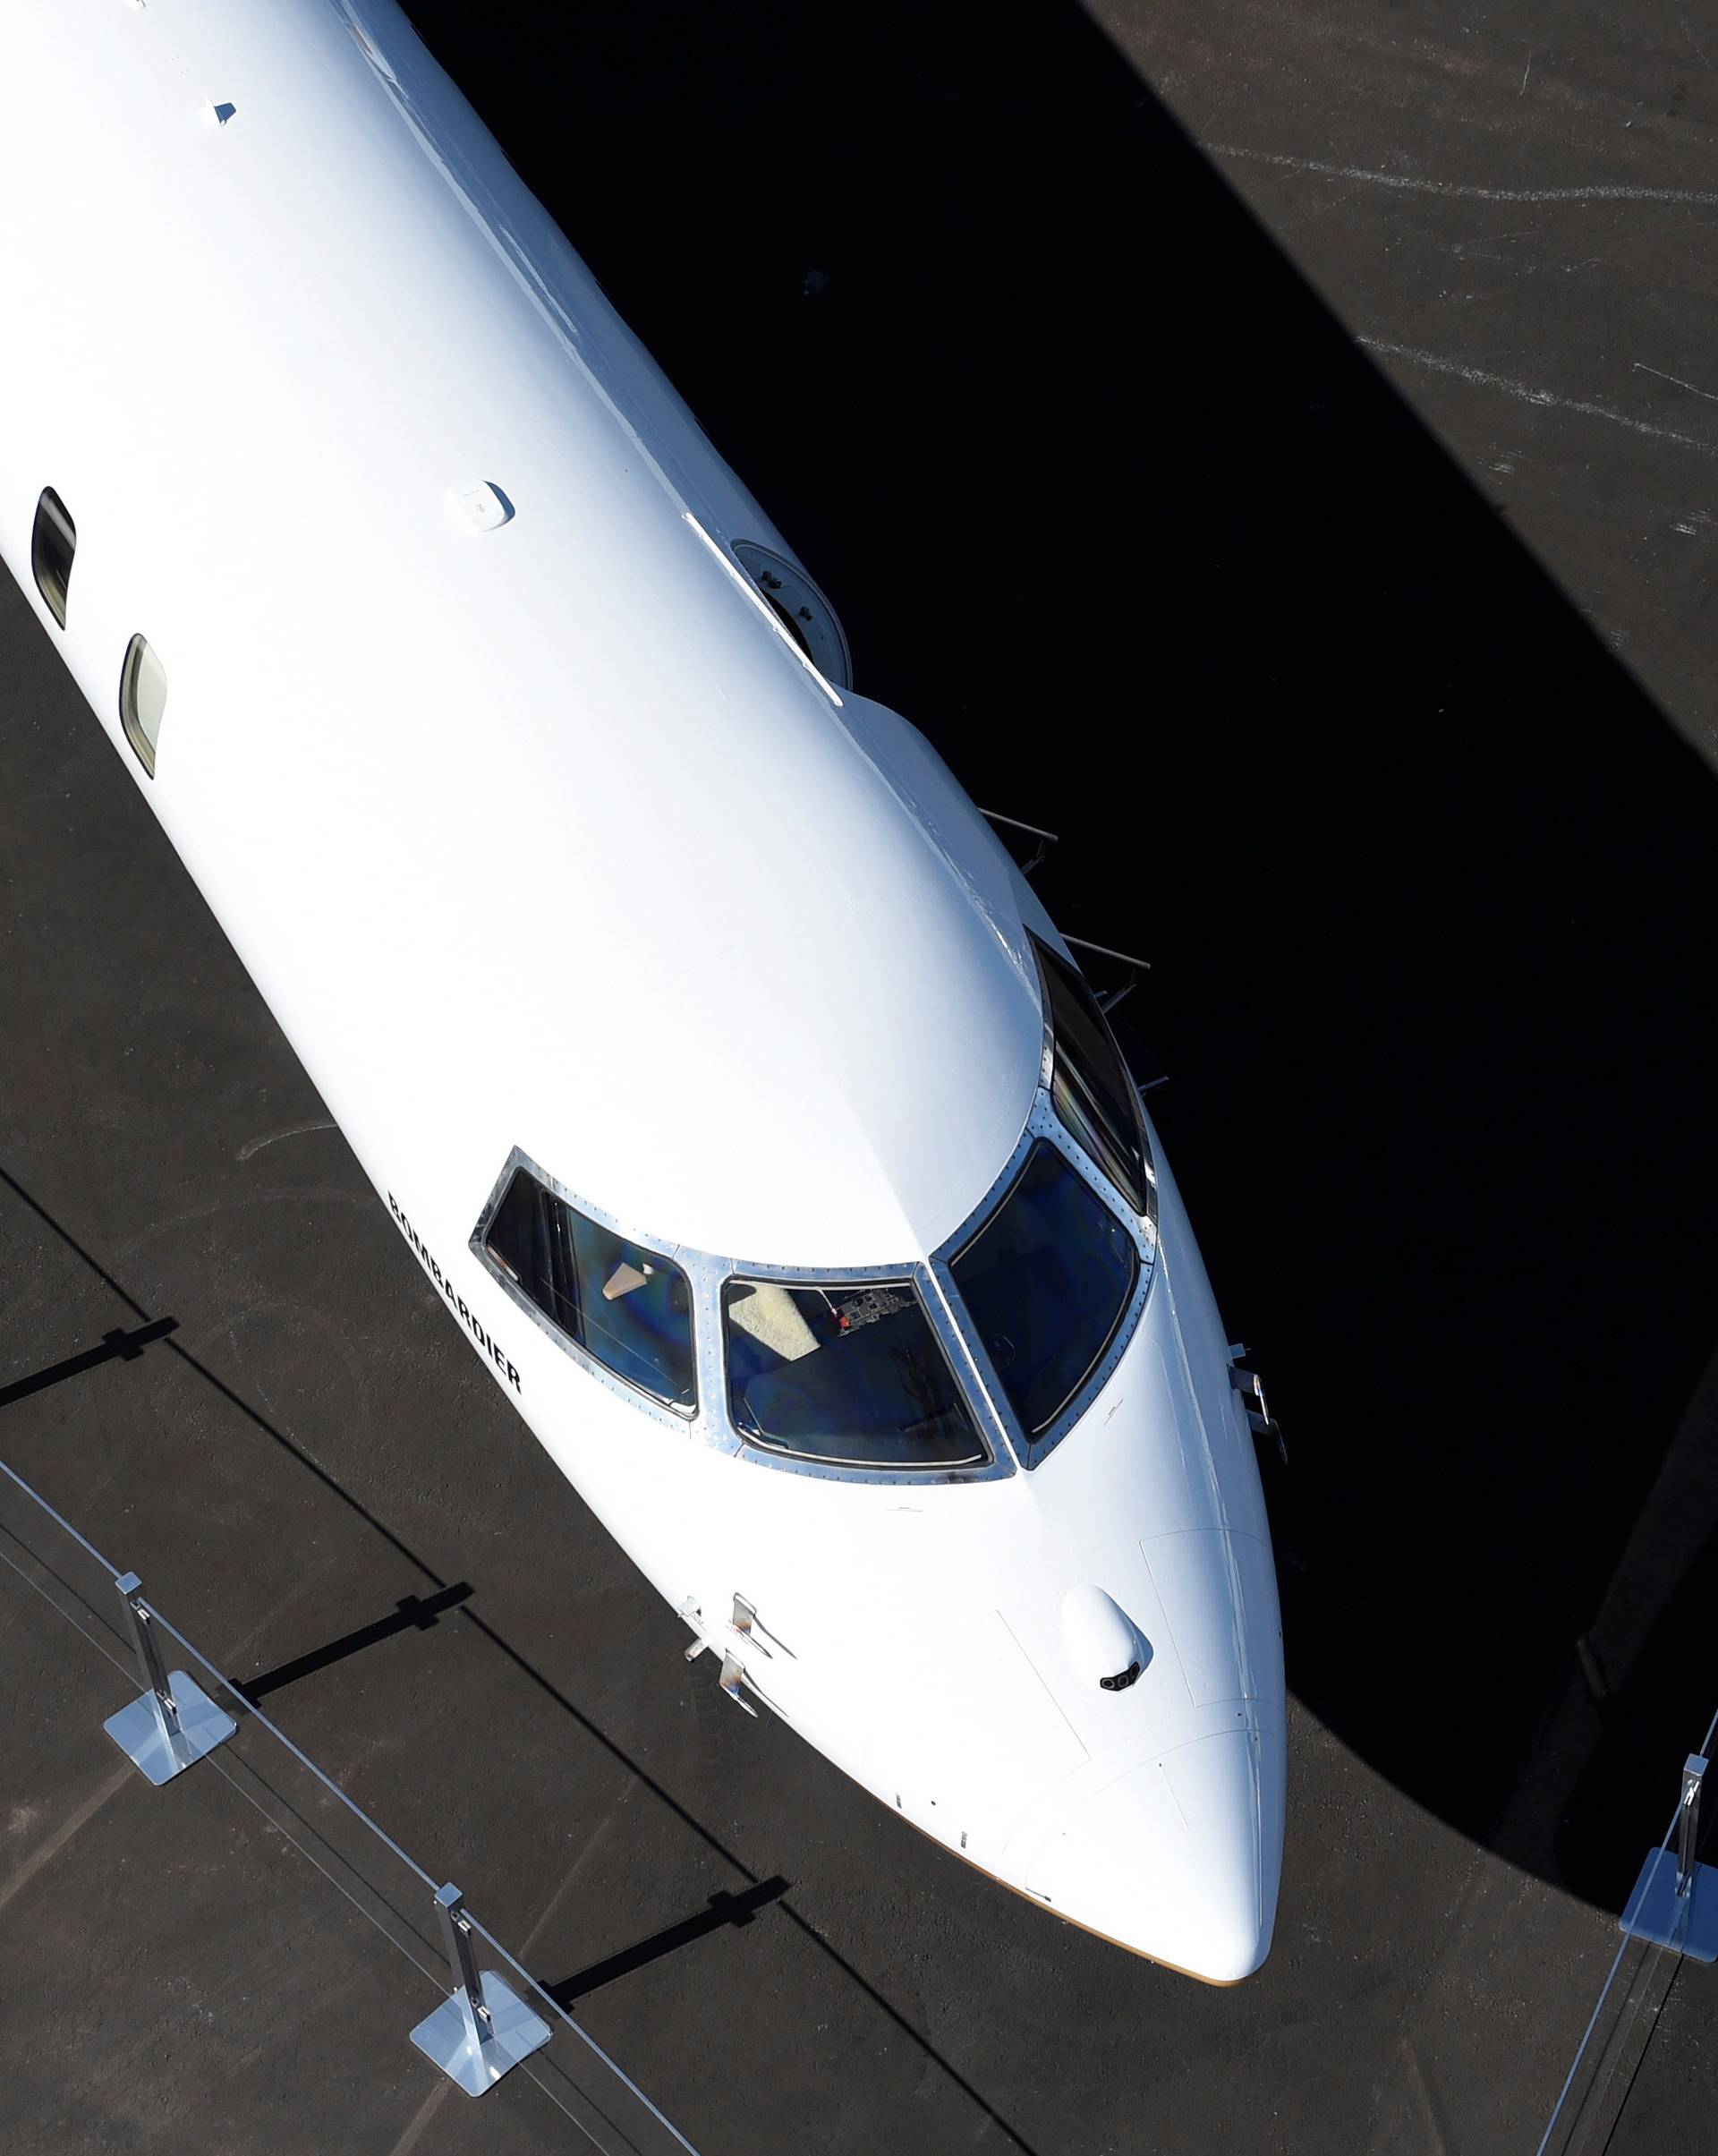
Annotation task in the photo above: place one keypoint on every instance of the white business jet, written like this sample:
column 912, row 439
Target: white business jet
column 719, row 1065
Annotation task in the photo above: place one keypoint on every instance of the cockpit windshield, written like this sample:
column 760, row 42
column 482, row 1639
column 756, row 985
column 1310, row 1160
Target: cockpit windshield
column 1047, row 1280
column 1089, row 1085
column 846, row 1372
column 853, row 1373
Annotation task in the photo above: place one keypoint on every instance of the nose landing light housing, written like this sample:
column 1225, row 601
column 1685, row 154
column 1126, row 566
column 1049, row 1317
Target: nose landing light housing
column 1105, row 1646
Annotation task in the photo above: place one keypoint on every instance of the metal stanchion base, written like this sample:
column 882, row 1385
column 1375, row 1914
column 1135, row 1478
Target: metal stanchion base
column 1656, row 1912
column 137, row 1730
column 446, row 2036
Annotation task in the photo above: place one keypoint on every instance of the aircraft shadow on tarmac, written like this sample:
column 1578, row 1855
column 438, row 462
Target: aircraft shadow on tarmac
column 1115, row 510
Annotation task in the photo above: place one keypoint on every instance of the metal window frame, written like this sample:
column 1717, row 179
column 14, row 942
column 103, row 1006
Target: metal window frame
column 998, row 1462
column 706, row 1275
column 1009, row 1446
column 661, row 1410
column 1044, row 1123
column 1148, row 1166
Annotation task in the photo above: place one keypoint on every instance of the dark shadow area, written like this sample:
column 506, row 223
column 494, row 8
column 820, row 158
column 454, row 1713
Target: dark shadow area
column 725, row 1912
column 1647, row 1669
column 527, row 1669
column 1627, row 1789
column 117, row 1346
column 1115, row 511
column 414, row 1613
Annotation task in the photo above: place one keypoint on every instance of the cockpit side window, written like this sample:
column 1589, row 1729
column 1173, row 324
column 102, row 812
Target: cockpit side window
column 1093, row 1095
column 847, row 1373
column 628, row 1307
column 1047, row 1282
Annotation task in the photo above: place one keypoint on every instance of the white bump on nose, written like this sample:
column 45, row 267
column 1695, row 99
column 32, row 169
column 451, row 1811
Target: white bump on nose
column 1106, row 1647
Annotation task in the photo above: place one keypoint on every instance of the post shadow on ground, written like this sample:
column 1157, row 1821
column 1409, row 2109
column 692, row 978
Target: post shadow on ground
column 723, row 1912
column 116, row 1346
column 1116, row 512
column 803, row 1925
column 411, row 1613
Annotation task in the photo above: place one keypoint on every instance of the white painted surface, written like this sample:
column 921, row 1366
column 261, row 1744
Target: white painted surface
column 539, row 832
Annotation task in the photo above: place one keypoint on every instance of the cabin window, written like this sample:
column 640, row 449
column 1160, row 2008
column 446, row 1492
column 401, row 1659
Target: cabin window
column 142, row 699
column 1047, row 1280
column 627, row 1306
column 1092, row 1095
column 847, row 1372
column 52, row 544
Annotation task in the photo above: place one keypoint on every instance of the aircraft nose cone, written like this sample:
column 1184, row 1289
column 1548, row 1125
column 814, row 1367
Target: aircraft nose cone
column 1180, row 1858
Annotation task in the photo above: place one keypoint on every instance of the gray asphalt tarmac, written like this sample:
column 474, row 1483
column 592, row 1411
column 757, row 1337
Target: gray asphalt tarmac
column 1320, row 403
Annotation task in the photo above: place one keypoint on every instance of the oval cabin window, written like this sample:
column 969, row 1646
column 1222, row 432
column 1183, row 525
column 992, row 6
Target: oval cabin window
column 142, row 699
column 52, row 544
